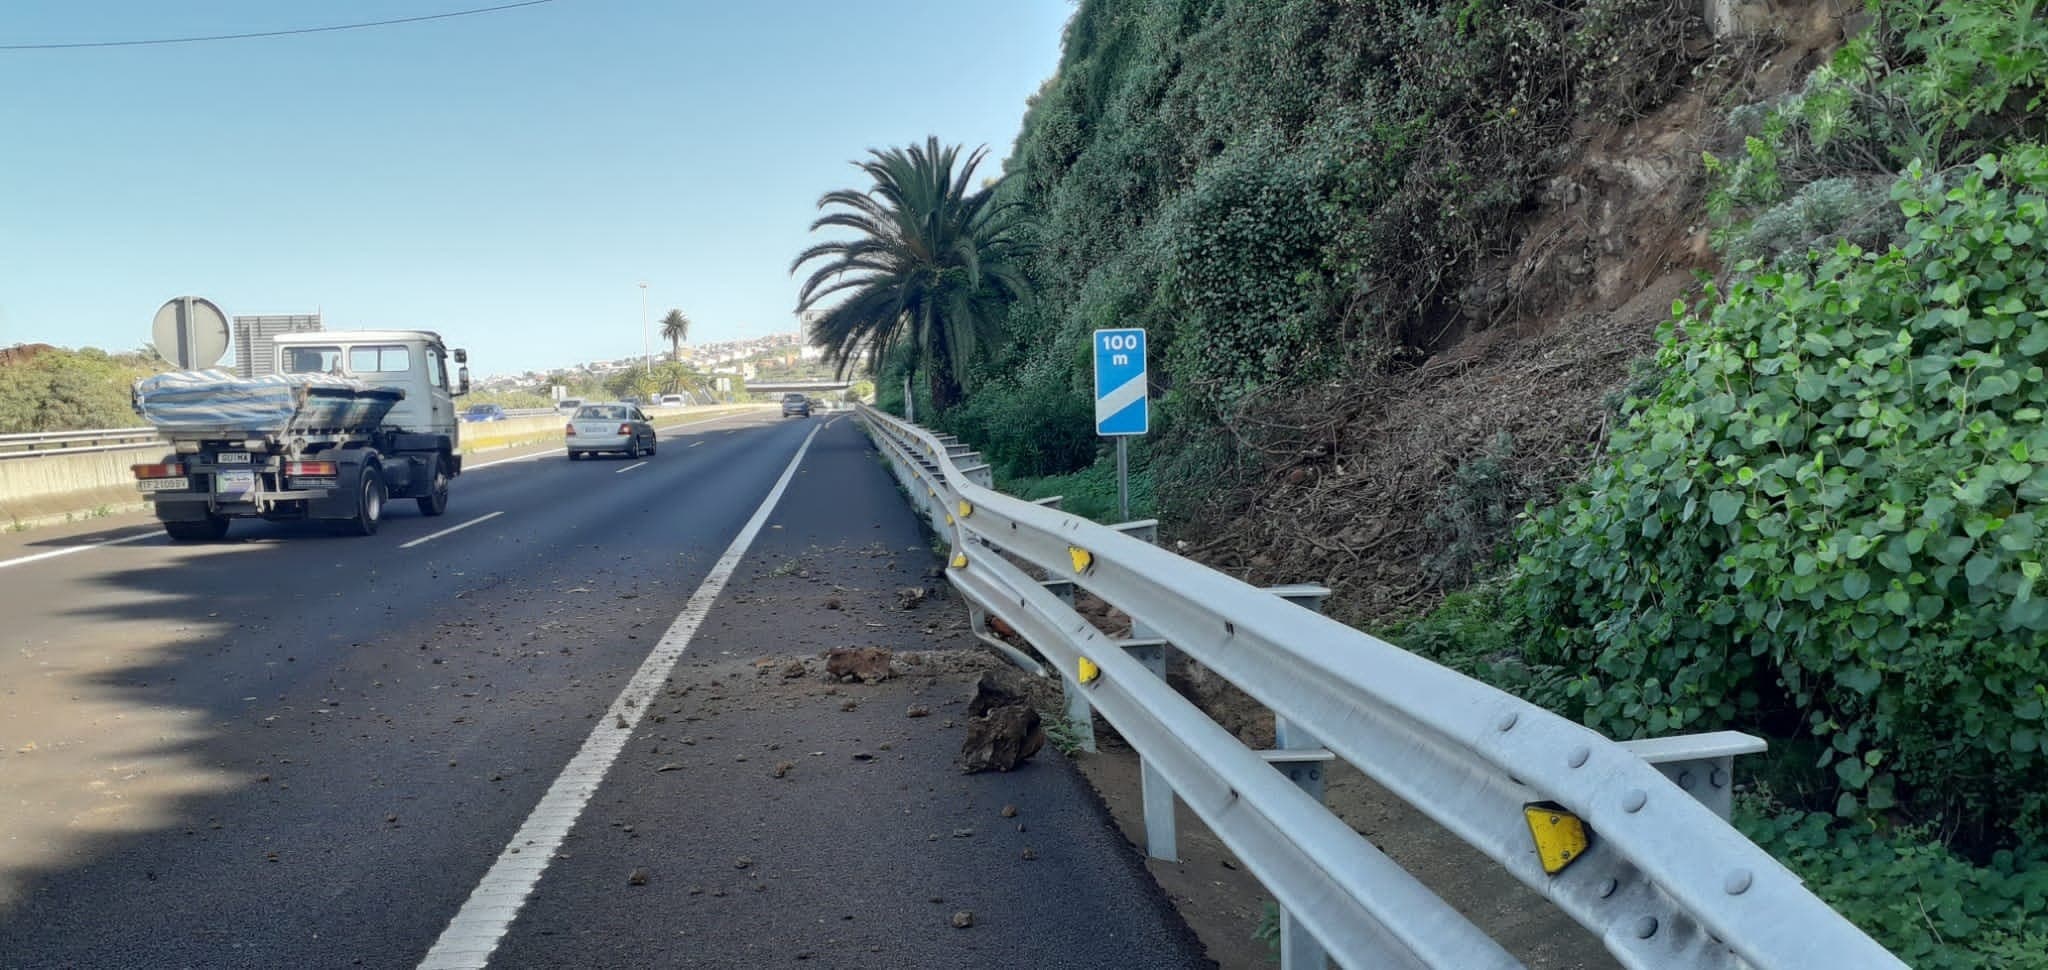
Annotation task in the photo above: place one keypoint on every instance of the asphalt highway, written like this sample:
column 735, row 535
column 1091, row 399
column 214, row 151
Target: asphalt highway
column 299, row 749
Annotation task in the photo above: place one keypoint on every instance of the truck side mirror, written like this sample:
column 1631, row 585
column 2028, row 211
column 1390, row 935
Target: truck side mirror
column 461, row 381
column 461, row 356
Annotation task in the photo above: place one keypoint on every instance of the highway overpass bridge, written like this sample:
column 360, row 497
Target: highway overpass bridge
column 805, row 387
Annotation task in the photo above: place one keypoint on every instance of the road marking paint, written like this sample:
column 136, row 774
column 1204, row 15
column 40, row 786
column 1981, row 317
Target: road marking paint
column 453, row 528
column 628, row 468
column 480, row 925
column 68, row 550
column 538, row 454
column 694, row 444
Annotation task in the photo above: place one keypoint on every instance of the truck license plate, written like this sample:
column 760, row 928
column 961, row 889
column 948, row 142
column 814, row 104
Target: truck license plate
column 232, row 458
column 234, row 482
column 164, row 484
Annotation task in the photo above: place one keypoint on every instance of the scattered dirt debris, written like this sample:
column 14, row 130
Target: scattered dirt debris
column 869, row 665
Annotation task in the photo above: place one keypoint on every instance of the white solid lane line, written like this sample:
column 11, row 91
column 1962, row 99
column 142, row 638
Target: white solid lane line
column 475, row 931
column 628, row 468
column 68, row 550
column 453, row 528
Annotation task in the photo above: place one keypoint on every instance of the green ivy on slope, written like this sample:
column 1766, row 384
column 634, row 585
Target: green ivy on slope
column 1833, row 510
column 1278, row 189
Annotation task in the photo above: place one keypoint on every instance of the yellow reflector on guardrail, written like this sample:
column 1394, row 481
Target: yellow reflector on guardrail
column 1087, row 671
column 1082, row 558
column 959, row 560
column 965, row 508
column 1560, row 836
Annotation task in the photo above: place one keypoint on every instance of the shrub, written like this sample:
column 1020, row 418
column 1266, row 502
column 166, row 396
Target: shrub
column 1833, row 510
column 1930, row 907
column 1474, row 512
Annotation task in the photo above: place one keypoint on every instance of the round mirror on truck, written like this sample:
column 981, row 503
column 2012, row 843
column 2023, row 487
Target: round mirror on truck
column 190, row 332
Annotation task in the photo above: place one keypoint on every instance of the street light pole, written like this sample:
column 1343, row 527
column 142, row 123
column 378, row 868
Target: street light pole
column 646, row 341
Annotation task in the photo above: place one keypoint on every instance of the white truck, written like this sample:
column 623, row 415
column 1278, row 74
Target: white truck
column 350, row 420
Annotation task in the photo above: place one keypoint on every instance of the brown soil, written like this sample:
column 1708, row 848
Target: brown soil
column 1351, row 472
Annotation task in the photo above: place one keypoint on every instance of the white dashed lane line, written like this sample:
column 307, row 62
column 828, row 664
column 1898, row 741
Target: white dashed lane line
column 453, row 528
column 628, row 468
column 68, row 550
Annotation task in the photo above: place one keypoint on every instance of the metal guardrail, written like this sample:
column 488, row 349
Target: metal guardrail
column 1665, row 881
column 37, row 444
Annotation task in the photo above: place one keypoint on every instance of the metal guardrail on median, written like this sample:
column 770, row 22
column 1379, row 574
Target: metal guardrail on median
column 1664, row 882
column 36, row 444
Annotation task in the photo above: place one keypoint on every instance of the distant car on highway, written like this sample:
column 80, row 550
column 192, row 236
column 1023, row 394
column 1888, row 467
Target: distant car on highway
column 673, row 400
column 568, row 404
column 615, row 426
column 794, row 403
column 484, row 412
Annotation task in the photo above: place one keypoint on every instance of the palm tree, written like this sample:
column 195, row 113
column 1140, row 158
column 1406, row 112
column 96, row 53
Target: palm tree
column 675, row 328
column 930, row 263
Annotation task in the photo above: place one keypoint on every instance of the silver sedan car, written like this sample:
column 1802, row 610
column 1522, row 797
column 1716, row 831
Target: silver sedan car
column 609, row 427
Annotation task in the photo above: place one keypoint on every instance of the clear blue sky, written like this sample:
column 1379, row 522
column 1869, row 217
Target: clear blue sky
column 506, row 179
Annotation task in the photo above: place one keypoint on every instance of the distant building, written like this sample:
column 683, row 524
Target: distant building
column 806, row 326
column 255, row 348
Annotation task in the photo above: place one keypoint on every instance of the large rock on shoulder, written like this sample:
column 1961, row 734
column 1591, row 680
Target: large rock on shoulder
column 1001, row 739
column 991, row 692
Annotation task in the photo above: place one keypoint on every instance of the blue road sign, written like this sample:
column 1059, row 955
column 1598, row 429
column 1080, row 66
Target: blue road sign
column 1122, row 406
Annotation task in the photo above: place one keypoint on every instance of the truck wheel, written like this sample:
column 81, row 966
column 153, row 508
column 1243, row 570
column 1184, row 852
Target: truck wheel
column 208, row 529
column 435, row 502
column 369, row 504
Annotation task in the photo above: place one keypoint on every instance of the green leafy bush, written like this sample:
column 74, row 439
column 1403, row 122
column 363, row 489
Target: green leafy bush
column 1932, row 908
column 1833, row 511
column 1933, row 82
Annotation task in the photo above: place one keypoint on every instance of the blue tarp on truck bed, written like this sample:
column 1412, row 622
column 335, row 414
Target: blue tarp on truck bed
column 217, row 401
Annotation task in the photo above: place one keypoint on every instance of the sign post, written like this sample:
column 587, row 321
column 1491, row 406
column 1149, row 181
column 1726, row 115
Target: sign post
column 1123, row 405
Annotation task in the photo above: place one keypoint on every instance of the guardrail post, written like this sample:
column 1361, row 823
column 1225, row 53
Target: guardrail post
column 980, row 474
column 1080, row 713
column 1702, row 765
column 1302, row 759
column 1162, row 827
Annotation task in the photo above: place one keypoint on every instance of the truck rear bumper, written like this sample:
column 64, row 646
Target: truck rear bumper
column 195, row 506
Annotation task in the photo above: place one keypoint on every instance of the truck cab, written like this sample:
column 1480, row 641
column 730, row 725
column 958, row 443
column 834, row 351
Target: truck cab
column 413, row 361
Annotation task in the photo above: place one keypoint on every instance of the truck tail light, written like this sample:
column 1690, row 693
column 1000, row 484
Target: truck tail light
column 166, row 470
column 310, row 469
column 625, row 429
